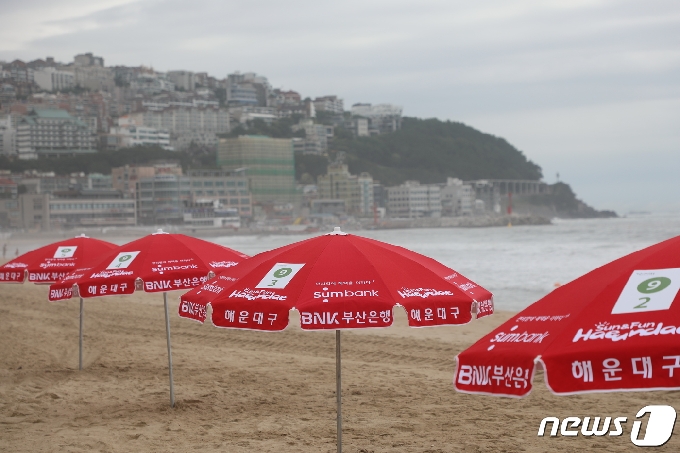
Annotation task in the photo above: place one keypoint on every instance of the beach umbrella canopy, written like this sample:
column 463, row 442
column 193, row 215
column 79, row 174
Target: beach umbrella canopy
column 337, row 281
column 53, row 262
column 159, row 262
column 616, row 328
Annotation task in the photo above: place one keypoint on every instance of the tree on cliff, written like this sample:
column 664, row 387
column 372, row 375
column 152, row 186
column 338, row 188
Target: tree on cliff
column 431, row 150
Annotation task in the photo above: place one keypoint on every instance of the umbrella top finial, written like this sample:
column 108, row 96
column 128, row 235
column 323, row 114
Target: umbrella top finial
column 160, row 231
column 337, row 232
column 82, row 235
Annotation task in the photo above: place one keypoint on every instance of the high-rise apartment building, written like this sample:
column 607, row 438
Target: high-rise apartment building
column 93, row 77
column 268, row 163
column 247, row 89
column 457, row 198
column 130, row 136
column 182, row 79
column 87, row 59
column 186, row 124
column 52, row 79
column 413, row 199
column 382, row 118
column 166, row 197
column 339, row 184
column 316, row 137
column 331, row 104
column 52, row 133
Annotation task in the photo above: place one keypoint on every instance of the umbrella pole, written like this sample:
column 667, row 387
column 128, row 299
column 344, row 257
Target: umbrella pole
column 167, row 332
column 80, row 338
column 338, row 387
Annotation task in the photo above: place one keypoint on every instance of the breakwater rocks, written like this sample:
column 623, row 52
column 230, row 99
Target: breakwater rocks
column 462, row 222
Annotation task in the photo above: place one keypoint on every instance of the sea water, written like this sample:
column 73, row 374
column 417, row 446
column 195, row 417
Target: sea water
column 518, row 264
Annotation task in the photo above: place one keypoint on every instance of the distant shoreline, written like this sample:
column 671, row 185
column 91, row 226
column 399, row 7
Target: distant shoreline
column 130, row 233
column 363, row 224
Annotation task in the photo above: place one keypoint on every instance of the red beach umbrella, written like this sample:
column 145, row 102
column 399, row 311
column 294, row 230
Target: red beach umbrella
column 616, row 328
column 53, row 262
column 159, row 262
column 337, row 281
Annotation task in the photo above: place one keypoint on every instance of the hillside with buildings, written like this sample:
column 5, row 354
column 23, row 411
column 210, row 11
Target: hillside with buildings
column 83, row 145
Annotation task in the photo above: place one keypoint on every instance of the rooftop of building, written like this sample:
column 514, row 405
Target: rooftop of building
column 65, row 151
column 76, row 192
column 7, row 182
column 52, row 113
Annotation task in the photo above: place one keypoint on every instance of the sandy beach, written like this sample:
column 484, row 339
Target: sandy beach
column 241, row 391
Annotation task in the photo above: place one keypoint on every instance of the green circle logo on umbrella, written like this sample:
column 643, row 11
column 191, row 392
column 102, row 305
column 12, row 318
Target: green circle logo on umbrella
column 283, row 272
column 124, row 258
column 654, row 285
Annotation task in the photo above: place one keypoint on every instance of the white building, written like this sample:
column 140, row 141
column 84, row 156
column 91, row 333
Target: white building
column 177, row 120
column 159, row 106
column 245, row 113
column 130, row 136
column 375, row 111
column 382, row 118
column 186, row 124
column 413, row 199
column 358, row 126
column 331, row 104
column 52, row 79
column 52, row 133
column 151, row 84
column 457, row 198
column 182, row 79
column 316, row 137
column 95, row 78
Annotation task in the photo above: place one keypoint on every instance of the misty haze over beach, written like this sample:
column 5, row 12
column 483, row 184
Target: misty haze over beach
column 588, row 90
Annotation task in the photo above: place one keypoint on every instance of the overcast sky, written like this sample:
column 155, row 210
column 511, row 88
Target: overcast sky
column 586, row 88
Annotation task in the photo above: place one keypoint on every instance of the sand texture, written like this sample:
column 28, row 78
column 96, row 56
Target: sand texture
column 242, row 391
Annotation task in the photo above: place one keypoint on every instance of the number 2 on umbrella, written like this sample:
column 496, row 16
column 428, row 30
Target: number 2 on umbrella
column 643, row 304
